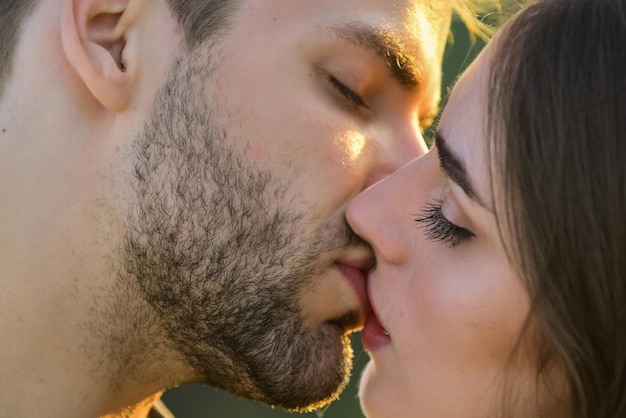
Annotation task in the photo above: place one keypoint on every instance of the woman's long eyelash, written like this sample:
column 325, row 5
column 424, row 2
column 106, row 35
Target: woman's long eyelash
column 347, row 92
column 439, row 228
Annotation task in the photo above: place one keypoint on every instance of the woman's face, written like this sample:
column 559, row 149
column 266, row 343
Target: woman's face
column 448, row 306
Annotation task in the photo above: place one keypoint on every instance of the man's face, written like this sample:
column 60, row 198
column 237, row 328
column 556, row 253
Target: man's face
column 256, row 144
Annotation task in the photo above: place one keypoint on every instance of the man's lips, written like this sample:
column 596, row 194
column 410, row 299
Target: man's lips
column 356, row 276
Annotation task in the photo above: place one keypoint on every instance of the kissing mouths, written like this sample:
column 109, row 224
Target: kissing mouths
column 355, row 273
column 374, row 336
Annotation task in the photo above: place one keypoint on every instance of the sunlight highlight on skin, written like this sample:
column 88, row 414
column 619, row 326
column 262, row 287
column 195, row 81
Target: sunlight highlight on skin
column 353, row 144
column 427, row 29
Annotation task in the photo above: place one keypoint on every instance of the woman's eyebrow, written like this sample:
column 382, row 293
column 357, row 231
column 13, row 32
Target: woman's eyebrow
column 454, row 167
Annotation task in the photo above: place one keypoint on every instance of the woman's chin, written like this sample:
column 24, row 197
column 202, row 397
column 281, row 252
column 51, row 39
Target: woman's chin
column 376, row 397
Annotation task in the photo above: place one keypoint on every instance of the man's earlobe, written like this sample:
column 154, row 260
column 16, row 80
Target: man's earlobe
column 94, row 36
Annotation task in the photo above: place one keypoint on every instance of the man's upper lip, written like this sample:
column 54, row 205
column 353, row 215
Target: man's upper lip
column 363, row 261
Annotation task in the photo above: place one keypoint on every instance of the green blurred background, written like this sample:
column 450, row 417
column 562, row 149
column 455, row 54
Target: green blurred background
column 197, row 401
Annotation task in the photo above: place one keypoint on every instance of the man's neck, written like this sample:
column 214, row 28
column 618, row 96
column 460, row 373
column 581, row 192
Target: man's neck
column 64, row 355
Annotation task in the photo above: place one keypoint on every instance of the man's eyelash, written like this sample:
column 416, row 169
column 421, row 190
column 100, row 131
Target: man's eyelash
column 439, row 229
column 347, row 92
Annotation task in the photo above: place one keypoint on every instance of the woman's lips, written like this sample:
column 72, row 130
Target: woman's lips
column 374, row 336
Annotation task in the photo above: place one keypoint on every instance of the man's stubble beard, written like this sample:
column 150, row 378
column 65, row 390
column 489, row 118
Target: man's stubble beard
column 222, row 258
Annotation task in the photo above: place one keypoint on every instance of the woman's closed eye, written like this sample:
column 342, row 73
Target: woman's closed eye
column 438, row 228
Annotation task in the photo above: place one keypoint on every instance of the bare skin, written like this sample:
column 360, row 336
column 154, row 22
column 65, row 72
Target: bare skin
column 174, row 214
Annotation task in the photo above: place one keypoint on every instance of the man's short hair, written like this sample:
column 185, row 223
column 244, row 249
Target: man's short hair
column 12, row 14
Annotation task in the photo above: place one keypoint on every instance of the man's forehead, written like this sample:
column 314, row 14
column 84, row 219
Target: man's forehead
column 428, row 22
column 426, row 29
column 432, row 9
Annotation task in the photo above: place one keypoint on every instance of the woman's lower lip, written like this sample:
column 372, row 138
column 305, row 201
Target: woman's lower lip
column 373, row 335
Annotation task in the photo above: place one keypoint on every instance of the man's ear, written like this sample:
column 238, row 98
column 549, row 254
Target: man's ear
column 95, row 36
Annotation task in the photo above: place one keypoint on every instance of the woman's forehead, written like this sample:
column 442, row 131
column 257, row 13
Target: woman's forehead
column 463, row 125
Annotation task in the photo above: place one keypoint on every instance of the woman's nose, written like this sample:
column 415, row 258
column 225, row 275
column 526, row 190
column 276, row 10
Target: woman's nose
column 381, row 214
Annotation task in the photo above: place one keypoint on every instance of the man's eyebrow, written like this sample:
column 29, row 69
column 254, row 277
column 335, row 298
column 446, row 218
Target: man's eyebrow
column 454, row 167
column 385, row 46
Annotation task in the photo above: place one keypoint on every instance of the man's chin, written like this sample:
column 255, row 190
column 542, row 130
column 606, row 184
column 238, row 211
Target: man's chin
column 320, row 382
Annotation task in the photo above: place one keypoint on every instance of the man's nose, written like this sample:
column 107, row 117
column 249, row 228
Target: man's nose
column 394, row 149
